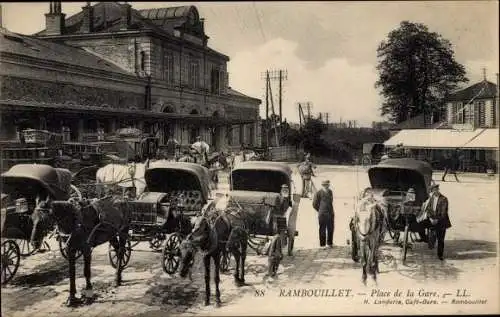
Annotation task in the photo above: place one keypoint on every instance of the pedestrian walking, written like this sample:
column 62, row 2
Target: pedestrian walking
column 306, row 170
column 436, row 218
column 323, row 204
column 452, row 164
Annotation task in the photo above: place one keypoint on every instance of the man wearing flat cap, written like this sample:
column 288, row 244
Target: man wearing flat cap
column 436, row 209
column 323, row 204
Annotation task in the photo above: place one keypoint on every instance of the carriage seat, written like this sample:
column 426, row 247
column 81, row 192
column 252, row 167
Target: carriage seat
column 193, row 199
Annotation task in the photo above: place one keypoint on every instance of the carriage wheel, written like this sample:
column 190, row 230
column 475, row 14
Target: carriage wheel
column 75, row 193
column 365, row 161
column 225, row 261
column 405, row 243
column 156, row 242
column 113, row 258
column 10, row 260
column 64, row 248
column 25, row 247
column 171, row 253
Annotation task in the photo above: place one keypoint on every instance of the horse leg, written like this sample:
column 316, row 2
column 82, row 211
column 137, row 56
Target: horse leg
column 87, row 258
column 217, row 279
column 206, row 263
column 119, row 260
column 243, row 256
column 72, row 300
column 237, row 269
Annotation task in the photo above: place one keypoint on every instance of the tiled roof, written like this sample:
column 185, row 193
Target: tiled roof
column 25, row 45
column 483, row 89
column 107, row 17
column 166, row 13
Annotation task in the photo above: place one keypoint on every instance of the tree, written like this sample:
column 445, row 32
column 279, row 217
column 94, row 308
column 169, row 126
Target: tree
column 417, row 70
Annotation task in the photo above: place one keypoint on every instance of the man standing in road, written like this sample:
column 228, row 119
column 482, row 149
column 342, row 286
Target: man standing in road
column 436, row 208
column 172, row 147
column 323, row 204
column 451, row 165
column 306, row 172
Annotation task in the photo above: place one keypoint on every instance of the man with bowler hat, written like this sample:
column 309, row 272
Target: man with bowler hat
column 323, row 204
column 436, row 210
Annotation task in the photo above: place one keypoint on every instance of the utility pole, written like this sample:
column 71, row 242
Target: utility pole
column 308, row 107
column 327, row 115
column 267, row 108
column 279, row 75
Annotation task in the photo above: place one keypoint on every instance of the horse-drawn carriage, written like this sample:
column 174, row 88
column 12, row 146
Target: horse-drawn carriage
column 22, row 185
column 265, row 195
column 399, row 187
column 372, row 153
column 175, row 192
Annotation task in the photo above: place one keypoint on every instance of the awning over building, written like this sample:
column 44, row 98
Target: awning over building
column 444, row 138
column 486, row 139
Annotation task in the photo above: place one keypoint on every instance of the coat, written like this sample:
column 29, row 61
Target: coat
column 323, row 201
column 440, row 213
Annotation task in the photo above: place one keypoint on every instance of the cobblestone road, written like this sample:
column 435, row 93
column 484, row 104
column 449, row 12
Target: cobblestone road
column 41, row 285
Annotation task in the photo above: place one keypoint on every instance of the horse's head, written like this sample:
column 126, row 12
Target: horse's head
column 42, row 221
column 366, row 218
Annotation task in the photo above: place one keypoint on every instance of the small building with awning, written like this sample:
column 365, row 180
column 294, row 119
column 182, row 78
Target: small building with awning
column 479, row 147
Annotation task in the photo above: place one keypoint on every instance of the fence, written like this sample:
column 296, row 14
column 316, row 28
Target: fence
column 284, row 153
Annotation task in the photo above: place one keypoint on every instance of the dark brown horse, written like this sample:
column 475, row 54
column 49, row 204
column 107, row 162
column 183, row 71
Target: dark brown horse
column 212, row 240
column 88, row 224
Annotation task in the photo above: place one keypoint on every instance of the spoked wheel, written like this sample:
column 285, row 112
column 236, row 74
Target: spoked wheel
column 171, row 253
column 225, row 261
column 10, row 260
column 405, row 243
column 25, row 247
column 75, row 193
column 113, row 254
column 156, row 242
column 63, row 247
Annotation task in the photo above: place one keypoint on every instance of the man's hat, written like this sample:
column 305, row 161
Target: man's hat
column 326, row 182
column 198, row 138
column 434, row 186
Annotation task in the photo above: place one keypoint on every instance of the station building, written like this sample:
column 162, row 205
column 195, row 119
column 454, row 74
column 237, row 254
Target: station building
column 111, row 66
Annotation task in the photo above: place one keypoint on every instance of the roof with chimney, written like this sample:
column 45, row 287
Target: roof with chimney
column 481, row 90
column 28, row 46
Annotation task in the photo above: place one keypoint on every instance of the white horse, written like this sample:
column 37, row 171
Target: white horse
column 124, row 176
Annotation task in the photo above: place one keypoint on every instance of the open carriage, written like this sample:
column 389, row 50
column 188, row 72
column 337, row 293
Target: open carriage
column 21, row 185
column 401, row 185
column 175, row 192
column 265, row 193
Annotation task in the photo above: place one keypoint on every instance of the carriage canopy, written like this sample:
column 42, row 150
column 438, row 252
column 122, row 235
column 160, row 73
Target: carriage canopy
column 164, row 177
column 261, row 176
column 401, row 174
column 32, row 179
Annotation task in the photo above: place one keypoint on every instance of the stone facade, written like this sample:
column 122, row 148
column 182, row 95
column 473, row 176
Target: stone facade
column 167, row 69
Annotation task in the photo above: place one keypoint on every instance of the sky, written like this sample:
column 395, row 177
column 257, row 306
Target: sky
column 327, row 48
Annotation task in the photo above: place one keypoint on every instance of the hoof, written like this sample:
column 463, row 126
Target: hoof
column 207, row 303
column 218, row 304
column 72, row 301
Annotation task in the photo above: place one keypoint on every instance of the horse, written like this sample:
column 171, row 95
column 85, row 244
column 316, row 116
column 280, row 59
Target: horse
column 130, row 175
column 367, row 228
column 212, row 240
column 88, row 224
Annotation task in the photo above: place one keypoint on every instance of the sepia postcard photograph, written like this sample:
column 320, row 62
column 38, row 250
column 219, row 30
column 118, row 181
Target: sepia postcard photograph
column 251, row 158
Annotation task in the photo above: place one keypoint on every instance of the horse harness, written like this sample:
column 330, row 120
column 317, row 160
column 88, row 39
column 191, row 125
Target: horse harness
column 372, row 229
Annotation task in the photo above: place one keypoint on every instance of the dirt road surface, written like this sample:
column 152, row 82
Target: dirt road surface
column 312, row 281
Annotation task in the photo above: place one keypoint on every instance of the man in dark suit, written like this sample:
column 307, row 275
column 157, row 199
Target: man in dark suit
column 452, row 164
column 437, row 218
column 323, row 204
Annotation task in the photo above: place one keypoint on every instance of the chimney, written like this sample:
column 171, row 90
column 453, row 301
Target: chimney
column 54, row 20
column 126, row 15
column 88, row 19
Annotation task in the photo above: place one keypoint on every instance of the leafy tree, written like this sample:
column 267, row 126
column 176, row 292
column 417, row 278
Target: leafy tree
column 417, row 70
